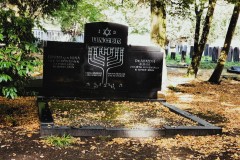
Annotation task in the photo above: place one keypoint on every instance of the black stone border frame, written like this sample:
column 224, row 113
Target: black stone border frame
column 47, row 126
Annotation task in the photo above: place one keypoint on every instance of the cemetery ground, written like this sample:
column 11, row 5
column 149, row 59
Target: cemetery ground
column 217, row 104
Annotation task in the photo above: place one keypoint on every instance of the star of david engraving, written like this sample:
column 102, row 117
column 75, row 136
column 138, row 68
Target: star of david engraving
column 106, row 32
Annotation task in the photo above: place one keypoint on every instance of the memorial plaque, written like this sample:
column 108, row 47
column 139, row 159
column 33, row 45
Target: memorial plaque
column 103, row 67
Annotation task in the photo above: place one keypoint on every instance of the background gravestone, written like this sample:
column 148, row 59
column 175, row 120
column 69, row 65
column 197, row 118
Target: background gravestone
column 191, row 51
column 210, row 51
column 230, row 54
column 236, row 54
column 206, row 50
column 180, row 47
column 215, row 53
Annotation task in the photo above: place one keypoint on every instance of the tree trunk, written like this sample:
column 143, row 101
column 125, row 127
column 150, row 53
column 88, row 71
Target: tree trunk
column 215, row 77
column 198, row 12
column 193, row 69
column 158, row 22
column 158, row 33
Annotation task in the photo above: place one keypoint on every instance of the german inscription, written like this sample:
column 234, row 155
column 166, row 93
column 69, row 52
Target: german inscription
column 66, row 62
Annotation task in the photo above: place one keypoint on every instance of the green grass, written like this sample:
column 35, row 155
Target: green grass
column 59, row 141
column 206, row 62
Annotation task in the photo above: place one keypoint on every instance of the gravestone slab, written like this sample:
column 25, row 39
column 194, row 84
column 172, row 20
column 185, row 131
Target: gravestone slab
column 236, row 55
column 63, row 68
column 143, row 63
column 191, row 51
column 103, row 67
column 210, row 51
column 230, row 54
column 106, row 45
column 206, row 50
column 215, row 54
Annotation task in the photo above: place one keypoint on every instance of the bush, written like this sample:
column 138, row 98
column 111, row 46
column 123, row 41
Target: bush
column 16, row 60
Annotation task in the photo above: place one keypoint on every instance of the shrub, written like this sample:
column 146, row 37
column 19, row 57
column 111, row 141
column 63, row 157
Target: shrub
column 17, row 46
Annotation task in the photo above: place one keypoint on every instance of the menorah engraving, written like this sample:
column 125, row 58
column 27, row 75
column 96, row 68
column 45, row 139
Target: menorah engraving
column 105, row 58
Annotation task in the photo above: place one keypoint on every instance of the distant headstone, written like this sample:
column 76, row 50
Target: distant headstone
column 103, row 67
column 236, row 54
column 173, row 50
column 210, row 50
column 206, row 50
column 230, row 54
column 183, row 53
column 180, row 47
column 215, row 54
column 191, row 51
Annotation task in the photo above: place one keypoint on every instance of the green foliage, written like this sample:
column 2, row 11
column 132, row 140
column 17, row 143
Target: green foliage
column 17, row 19
column 58, row 141
column 16, row 61
column 73, row 17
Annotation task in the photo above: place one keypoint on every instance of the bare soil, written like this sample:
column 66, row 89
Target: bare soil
column 218, row 104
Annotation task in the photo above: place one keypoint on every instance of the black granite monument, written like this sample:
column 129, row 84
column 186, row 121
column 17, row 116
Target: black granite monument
column 103, row 67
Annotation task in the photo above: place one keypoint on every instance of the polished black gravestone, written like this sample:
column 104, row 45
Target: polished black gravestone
column 103, row 67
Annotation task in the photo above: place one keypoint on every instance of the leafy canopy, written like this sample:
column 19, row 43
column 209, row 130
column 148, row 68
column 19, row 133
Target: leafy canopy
column 17, row 43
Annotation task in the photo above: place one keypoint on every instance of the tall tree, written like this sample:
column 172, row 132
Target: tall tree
column 215, row 77
column 199, row 43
